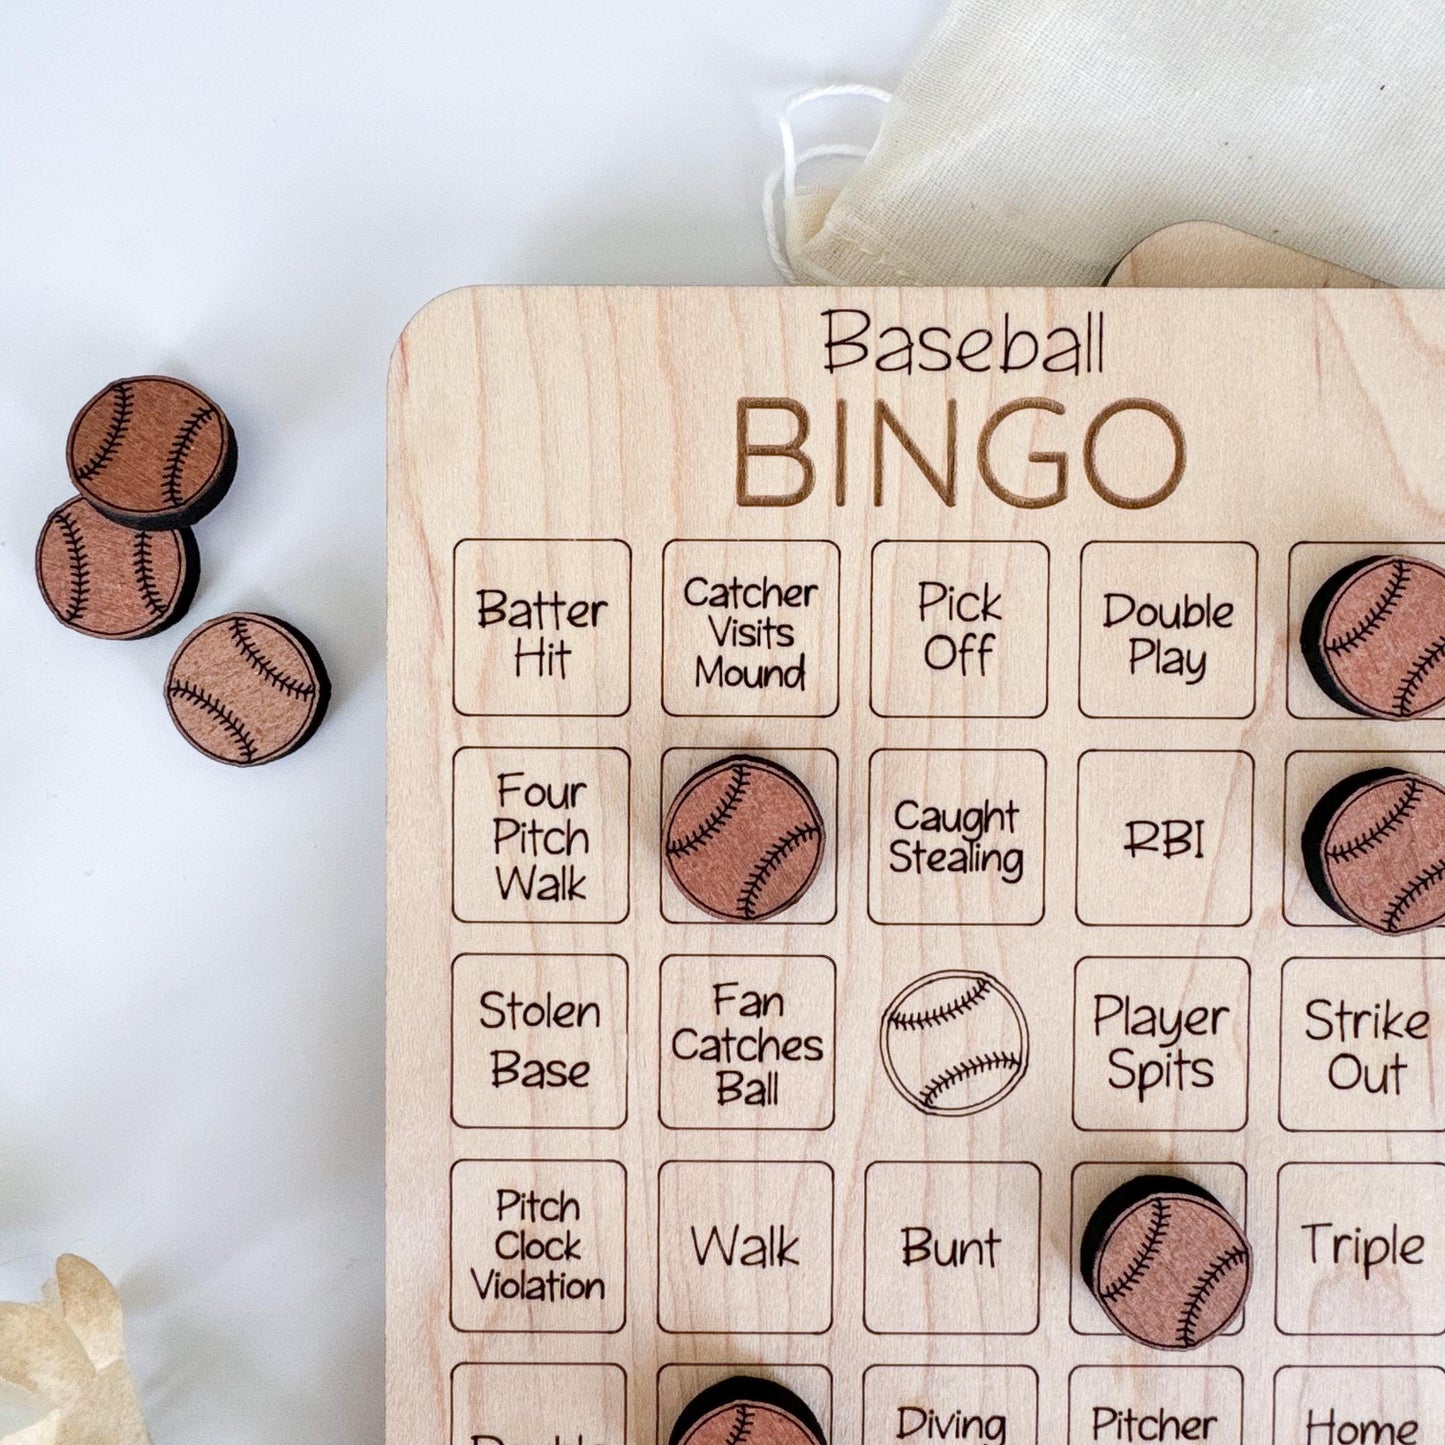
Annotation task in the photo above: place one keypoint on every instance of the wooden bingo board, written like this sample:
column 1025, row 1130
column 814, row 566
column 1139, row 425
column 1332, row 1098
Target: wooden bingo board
column 1012, row 581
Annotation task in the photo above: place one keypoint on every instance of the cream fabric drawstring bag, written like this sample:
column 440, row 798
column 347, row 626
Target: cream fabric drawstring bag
column 1035, row 141
column 65, row 1360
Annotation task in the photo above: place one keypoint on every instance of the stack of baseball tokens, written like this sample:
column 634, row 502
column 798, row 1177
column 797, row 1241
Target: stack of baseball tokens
column 1374, row 843
column 150, row 456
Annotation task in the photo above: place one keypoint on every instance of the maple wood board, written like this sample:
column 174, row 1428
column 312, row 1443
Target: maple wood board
column 953, row 1075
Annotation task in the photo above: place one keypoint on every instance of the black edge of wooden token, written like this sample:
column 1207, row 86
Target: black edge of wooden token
column 212, row 496
column 1312, row 628
column 753, row 1389
column 323, row 680
column 1120, row 1201
column 1317, row 826
column 190, row 581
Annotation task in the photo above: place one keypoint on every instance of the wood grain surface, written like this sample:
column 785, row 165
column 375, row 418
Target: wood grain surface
column 1061, row 735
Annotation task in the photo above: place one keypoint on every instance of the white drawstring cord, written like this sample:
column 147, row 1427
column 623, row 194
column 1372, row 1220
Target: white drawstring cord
column 786, row 174
column 776, row 248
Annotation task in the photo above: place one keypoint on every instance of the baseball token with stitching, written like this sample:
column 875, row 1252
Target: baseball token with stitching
column 955, row 1042
column 1374, row 637
column 107, row 580
column 1374, row 849
column 151, row 451
column 1166, row 1262
column 246, row 689
column 743, row 839
column 746, row 1409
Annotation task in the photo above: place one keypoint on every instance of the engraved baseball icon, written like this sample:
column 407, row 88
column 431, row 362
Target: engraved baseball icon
column 1374, row 849
column 107, row 580
column 1374, row 637
column 746, row 1409
column 954, row 1042
column 150, row 451
column 743, row 839
column 1166, row 1262
column 246, row 689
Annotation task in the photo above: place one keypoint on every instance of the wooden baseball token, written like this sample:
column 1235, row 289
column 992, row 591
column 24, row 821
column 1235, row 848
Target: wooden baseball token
column 1374, row 637
column 150, row 451
column 743, row 839
column 1374, row 849
column 1205, row 254
column 246, row 689
column 107, row 580
column 746, row 1408
column 1166, row 1262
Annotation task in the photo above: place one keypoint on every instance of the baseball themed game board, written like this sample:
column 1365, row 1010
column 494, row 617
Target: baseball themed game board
column 916, row 836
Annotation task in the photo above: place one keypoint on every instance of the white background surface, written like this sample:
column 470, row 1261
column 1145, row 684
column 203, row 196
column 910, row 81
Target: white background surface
column 256, row 196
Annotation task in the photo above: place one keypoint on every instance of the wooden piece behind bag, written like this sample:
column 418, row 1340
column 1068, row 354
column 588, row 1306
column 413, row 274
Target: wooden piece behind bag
column 1204, row 253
